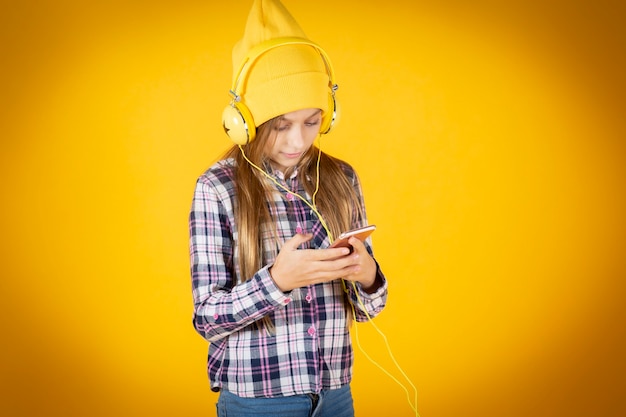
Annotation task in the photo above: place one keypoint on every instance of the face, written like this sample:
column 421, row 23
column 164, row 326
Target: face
column 293, row 135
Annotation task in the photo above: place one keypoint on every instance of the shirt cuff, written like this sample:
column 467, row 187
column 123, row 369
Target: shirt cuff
column 381, row 290
column 274, row 295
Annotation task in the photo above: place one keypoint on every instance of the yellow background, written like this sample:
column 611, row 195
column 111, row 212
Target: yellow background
column 489, row 137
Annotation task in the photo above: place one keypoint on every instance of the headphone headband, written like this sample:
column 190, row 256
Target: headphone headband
column 260, row 49
column 237, row 119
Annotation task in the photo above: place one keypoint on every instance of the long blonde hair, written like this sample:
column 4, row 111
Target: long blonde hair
column 336, row 199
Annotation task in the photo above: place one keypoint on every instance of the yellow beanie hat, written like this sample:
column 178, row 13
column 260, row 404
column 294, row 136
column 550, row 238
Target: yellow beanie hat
column 285, row 78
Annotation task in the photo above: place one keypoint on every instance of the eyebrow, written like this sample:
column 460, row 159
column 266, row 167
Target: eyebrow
column 318, row 111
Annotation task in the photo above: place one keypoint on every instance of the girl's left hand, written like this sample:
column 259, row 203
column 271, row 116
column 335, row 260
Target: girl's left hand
column 366, row 272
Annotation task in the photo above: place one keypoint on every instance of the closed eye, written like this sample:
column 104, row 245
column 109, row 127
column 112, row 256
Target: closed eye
column 312, row 123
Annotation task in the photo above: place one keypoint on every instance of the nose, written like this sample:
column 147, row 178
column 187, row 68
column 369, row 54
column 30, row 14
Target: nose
column 295, row 137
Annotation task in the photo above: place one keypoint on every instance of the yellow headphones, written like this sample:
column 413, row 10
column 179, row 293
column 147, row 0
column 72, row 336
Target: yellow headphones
column 237, row 119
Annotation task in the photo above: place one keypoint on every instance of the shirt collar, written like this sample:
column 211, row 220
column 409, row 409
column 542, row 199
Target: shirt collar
column 278, row 173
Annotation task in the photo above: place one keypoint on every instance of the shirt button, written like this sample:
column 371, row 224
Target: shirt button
column 216, row 316
column 298, row 230
column 311, row 331
column 287, row 301
column 289, row 196
column 308, row 298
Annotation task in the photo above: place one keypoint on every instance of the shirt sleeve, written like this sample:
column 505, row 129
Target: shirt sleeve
column 221, row 304
column 366, row 305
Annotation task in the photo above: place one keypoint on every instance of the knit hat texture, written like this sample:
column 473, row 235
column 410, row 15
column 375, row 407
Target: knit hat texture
column 283, row 79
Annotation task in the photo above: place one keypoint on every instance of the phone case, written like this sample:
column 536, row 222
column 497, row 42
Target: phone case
column 361, row 234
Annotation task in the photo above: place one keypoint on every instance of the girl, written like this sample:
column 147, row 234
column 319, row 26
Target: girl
column 274, row 301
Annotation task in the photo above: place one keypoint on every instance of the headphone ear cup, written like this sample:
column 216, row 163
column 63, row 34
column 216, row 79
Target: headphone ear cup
column 329, row 120
column 238, row 124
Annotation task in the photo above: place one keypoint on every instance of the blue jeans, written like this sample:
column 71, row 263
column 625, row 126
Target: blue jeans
column 328, row 403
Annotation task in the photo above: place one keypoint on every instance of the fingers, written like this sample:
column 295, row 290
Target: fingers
column 296, row 267
column 357, row 245
column 324, row 271
column 365, row 267
column 314, row 254
column 298, row 240
column 330, row 254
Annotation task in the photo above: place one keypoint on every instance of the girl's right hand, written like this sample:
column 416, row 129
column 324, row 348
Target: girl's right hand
column 294, row 268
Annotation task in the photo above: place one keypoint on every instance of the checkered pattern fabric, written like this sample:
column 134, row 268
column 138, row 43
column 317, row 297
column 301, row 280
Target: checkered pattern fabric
column 310, row 349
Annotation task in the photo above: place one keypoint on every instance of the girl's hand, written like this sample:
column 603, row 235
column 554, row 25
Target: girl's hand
column 365, row 272
column 294, row 268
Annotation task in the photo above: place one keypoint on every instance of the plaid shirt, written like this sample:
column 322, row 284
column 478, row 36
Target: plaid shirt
column 310, row 349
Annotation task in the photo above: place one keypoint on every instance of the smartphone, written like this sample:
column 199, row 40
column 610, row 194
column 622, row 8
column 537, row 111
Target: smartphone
column 361, row 233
